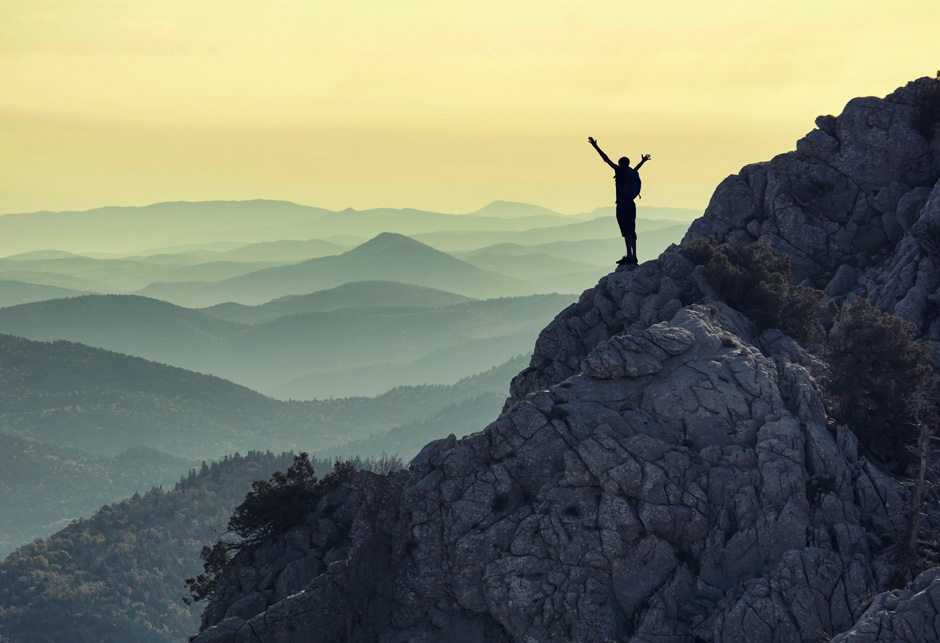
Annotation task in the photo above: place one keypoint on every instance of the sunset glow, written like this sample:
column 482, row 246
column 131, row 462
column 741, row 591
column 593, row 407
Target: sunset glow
column 442, row 106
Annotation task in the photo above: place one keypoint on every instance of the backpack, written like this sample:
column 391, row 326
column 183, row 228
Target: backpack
column 633, row 189
column 629, row 185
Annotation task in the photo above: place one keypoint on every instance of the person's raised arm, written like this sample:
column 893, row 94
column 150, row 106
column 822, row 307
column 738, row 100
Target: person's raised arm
column 645, row 158
column 601, row 152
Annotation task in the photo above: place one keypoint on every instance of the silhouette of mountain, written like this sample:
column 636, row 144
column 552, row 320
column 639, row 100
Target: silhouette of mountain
column 57, row 280
column 13, row 293
column 359, row 294
column 122, row 275
column 650, row 213
column 527, row 266
column 277, row 252
column 283, row 251
column 444, row 365
column 460, row 418
column 594, row 252
column 389, row 256
column 42, row 254
column 130, row 324
column 121, row 229
column 71, row 395
column 274, row 352
column 513, row 210
column 604, row 227
column 66, row 394
column 410, row 221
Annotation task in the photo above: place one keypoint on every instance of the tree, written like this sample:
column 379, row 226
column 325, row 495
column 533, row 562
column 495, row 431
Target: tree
column 876, row 372
column 271, row 507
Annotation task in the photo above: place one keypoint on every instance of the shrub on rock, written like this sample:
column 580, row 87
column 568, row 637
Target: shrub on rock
column 755, row 281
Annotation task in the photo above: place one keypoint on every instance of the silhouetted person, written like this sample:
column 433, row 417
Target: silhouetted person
column 627, row 180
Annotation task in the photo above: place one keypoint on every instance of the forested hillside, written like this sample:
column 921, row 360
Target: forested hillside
column 118, row 575
column 43, row 487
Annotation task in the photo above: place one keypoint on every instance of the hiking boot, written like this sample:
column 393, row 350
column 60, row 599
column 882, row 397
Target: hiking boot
column 623, row 260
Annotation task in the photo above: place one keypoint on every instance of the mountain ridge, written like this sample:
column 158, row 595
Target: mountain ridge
column 387, row 256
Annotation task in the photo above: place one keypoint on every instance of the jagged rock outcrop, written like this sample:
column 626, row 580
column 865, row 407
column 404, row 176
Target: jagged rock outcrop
column 662, row 471
column 909, row 615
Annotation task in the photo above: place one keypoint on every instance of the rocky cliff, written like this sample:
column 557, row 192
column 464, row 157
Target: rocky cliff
column 662, row 470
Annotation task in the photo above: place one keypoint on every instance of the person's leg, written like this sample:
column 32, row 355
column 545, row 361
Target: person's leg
column 623, row 220
column 630, row 236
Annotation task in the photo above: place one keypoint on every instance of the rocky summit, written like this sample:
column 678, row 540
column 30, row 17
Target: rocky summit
column 663, row 470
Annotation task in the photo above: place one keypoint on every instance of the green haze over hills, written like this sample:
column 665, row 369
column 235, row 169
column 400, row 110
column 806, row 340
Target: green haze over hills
column 13, row 293
column 286, row 303
column 389, row 257
column 127, row 229
column 353, row 295
column 81, row 426
column 201, row 225
column 70, row 395
column 651, row 232
column 131, row 229
column 274, row 352
column 125, row 275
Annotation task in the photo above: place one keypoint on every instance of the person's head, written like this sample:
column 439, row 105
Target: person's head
column 624, row 161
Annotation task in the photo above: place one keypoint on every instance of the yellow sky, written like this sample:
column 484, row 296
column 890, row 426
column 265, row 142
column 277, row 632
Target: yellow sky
column 441, row 105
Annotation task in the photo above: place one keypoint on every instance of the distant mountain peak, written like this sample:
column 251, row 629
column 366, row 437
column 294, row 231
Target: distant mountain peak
column 512, row 210
column 391, row 239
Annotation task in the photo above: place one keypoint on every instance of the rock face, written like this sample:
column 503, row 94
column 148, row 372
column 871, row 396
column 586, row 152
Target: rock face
column 661, row 471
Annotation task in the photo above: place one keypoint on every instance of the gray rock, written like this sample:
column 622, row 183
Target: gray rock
column 910, row 205
column 911, row 615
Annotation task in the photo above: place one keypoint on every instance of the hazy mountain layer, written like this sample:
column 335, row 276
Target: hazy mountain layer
column 13, row 293
column 530, row 266
column 599, row 228
column 70, row 395
column 406, row 440
column 134, row 229
column 283, row 251
column 360, row 294
column 596, row 252
column 126, row 229
column 275, row 352
column 66, row 394
column 123, row 275
column 388, row 257
column 56, row 280
column 442, row 366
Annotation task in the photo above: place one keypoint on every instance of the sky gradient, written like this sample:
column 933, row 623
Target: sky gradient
column 443, row 106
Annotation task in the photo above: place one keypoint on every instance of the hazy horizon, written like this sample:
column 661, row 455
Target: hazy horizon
column 425, row 105
column 451, row 211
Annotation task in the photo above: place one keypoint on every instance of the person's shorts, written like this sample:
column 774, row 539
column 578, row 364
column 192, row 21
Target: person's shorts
column 626, row 218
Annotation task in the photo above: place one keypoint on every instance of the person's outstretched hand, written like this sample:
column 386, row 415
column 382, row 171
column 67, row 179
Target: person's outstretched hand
column 592, row 140
column 646, row 157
